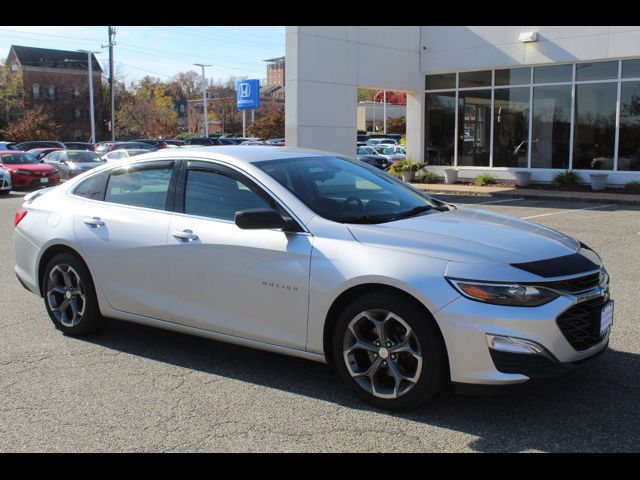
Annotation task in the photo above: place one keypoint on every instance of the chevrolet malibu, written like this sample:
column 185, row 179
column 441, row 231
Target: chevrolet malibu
column 317, row 256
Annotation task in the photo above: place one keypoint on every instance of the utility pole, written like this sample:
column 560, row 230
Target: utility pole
column 204, row 99
column 112, row 35
column 91, row 109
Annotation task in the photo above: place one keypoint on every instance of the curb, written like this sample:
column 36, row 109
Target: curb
column 587, row 197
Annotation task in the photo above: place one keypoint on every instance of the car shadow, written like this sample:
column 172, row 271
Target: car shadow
column 590, row 409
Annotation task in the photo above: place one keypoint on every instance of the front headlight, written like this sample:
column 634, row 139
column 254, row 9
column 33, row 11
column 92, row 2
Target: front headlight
column 504, row 294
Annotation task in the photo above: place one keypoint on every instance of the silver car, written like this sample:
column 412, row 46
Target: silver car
column 317, row 256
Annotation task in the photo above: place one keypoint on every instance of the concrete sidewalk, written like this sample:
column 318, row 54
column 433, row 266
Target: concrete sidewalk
column 513, row 192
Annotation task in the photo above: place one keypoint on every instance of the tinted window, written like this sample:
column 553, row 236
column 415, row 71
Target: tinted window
column 551, row 127
column 440, row 128
column 596, row 71
column 140, row 187
column 631, row 69
column 345, row 191
column 215, row 195
column 93, row 187
column 437, row 82
column 552, row 74
column 629, row 149
column 513, row 76
column 475, row 79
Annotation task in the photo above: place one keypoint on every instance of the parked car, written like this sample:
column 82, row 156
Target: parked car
column 27, row 171
column 175, row 143
column 91, row 147
column 381, row 141
column 275, row 141
column 5, row 181
column 371, row 156
column 209, row 141
column 157, row 144
column 26, row 146
column 343, row 263
column 40, row 153
column 105, row 147
column 8, row 146
column 123, row 154
column 72, row 162
column 392, row 153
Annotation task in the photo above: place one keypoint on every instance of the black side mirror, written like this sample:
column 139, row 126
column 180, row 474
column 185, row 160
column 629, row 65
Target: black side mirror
column 263, row 218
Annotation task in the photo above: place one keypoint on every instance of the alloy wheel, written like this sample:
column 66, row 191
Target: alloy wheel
column 66, row 295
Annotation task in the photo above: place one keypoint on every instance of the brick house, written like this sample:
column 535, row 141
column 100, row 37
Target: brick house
column 58, row 81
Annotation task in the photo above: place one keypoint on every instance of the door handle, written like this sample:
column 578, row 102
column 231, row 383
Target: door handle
column 185, row 235
column 94, row 222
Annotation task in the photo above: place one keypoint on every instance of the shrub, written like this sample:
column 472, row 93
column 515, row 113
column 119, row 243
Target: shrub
column 566, row 178
column 484, row 179
column 407, row 166
column 185, row 136
column 632, row 187
column 430, row 177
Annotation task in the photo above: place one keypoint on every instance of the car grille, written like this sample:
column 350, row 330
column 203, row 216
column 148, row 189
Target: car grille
column 580, row 324
column 575, row 285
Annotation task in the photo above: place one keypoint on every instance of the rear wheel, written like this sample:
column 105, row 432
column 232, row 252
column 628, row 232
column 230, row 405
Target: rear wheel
column 388, row 352
column 70, row 297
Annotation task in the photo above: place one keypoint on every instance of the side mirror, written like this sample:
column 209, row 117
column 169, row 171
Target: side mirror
column 263, row 218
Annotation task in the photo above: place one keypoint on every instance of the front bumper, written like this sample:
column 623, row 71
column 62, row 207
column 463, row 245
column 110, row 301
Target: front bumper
column 29, row 181
column 465, row 325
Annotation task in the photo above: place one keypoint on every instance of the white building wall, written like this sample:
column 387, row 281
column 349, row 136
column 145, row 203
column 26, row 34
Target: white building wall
column 325, row 67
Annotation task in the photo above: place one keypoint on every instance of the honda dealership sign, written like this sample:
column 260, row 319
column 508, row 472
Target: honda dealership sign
column 248, row 94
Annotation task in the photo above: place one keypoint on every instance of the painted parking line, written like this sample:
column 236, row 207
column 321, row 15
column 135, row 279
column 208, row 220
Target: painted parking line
column 566, row 211
column 495, row 201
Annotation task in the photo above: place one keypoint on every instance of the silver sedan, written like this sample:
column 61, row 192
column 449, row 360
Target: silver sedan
column 317, row 256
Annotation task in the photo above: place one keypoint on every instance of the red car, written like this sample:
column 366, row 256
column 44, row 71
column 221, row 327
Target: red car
column 26, row 171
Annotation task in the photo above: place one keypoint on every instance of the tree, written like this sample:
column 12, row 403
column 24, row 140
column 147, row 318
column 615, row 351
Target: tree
column 397, row 125
column 269, row 126
column 184, row 86
column 35, row 124
column 147, row 111
column 11, row 94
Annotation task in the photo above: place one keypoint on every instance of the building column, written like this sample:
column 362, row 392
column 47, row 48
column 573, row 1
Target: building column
column 415, row 125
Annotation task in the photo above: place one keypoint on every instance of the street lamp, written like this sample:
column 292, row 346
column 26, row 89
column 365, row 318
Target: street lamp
column 204, row 99
column 92, row 113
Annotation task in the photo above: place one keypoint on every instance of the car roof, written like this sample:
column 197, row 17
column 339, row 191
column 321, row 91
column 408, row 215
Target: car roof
column 243, row 153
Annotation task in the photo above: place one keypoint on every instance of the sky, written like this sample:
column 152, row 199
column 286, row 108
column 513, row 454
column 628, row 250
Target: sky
column 161, row 51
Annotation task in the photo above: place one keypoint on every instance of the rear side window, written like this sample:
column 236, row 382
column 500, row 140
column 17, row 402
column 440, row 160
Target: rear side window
column 93, row 187
column 143, row 187
column 215, row 195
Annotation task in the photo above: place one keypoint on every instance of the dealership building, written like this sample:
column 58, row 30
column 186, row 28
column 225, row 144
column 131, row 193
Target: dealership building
column 495, row 99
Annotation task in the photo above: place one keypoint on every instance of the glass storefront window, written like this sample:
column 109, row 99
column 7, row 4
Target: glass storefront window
column 629, row 142
column 594, row 131
column 551, row 127
column 631, row 69
column 474, row 127
column 552, row 74
column 510, row 127
column 513, row 76
column 440, row 82
column 596, row 71
column 475, row 79
column 440, row 128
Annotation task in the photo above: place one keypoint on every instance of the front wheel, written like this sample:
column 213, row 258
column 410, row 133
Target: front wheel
column 389, row 352
column 70, row 297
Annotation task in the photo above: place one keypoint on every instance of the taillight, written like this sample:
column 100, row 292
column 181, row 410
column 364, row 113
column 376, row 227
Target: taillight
column 162, row 145
column 20, row 214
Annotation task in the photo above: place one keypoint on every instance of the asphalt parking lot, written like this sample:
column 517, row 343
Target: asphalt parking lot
column 134, row 388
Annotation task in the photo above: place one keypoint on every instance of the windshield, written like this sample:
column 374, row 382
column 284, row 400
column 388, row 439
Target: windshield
column 344, row 191
column 18, row 158
column 82, row 157
column 366, row 151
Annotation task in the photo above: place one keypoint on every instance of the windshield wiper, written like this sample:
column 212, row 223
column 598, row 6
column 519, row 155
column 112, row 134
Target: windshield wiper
column 413, row 211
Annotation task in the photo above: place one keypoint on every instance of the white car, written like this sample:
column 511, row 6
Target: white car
column 123, row 154
column 5, row 181
column 381, row 141
column 317, row 256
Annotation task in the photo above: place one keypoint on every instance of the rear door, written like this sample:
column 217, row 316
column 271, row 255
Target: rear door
column 122, row 229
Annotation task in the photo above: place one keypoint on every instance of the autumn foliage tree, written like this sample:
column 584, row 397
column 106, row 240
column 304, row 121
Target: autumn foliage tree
column 397, row 125
column 268, row 126
column 35, row 124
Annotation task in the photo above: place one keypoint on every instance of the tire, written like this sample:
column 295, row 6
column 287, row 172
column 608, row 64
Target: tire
column 81, row 315
column 356, row 326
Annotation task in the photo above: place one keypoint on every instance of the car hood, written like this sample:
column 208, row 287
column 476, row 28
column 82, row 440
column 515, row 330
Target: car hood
column 468, row 235
column 29, row 167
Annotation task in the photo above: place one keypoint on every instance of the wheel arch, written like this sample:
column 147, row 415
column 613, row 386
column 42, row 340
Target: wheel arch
column 48, row 254
column 353, row 292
